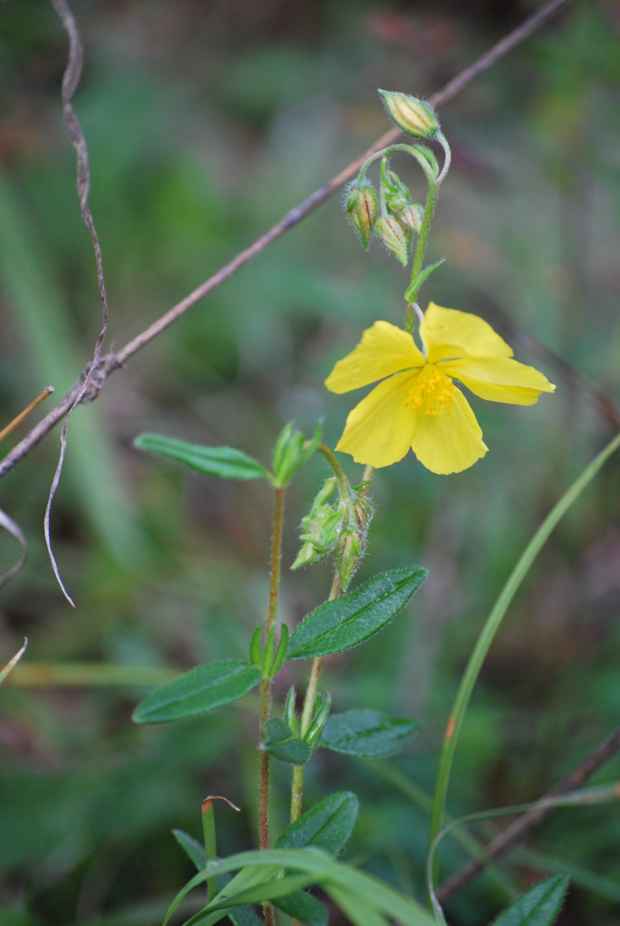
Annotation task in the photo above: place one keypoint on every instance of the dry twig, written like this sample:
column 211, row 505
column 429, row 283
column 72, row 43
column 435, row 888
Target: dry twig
column 517, row 831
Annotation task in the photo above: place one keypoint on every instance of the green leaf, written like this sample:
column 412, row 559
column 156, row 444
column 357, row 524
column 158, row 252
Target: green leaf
column 192, row 849
column 539, row 907
column 322, row 868
column 304, row 907
column 327, row 825
column 358, row 911
column 200, row 690
column 366, row 733
column 282, row 743
column 339, row 625
column 415, row 285
column 244, row 916
column 225, row 462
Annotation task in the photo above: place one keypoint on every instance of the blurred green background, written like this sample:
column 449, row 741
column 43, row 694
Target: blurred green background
column 205, row 122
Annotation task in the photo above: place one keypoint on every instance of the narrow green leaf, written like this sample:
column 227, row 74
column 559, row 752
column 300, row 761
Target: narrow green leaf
column 494, row 621
column 282, row 744
column 200, row 690
column 244, row 916
column 421, row 278
column 325, row 870
column 192, row 848
column 303, row 907
column 539, row 907
column 339, row 625
column 366, row 733
column 358, row 911
column 225, row 462
column 327, row 825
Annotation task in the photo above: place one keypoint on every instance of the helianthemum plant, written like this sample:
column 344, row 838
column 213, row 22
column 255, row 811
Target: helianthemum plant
column 416, row 403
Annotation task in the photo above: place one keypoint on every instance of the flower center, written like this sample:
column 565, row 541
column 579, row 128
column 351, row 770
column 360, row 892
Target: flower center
column 431, row 391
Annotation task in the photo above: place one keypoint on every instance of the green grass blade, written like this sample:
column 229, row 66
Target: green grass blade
column 493, row 623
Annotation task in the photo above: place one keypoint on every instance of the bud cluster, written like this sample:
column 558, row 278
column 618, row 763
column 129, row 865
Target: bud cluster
column 335, row 527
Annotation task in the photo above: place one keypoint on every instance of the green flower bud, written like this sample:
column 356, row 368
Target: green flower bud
column 391, row 233
column 411, row 217
column 413, row 116
column 396, row 194
column 362, row 208
column 291, row 452
column 320, row 528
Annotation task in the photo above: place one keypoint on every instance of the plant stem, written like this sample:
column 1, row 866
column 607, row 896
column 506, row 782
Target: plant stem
column 492, row 625
column 265, row 686
column 297, row 787
column 420, row 250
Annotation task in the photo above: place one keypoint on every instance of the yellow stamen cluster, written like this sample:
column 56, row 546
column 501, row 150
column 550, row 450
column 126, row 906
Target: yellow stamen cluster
column 432, row 391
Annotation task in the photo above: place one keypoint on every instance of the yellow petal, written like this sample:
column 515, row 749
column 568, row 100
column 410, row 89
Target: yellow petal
column 450, row 333
column 499, row 379
column 383, row 350
column 450, row 441
column 378, row 431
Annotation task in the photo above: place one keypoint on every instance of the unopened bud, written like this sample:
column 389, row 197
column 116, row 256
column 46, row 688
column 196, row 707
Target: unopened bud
column 291, row 452
column 349, row 559
column 413, row 116
column 391, row 233
column 362, row 207
column 320, row 528
column 411, row 217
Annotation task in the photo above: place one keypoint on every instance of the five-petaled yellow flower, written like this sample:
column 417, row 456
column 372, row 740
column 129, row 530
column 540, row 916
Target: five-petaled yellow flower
column 417, row 405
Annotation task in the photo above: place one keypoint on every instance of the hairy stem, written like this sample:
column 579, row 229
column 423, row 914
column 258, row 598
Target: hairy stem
column 265, row 686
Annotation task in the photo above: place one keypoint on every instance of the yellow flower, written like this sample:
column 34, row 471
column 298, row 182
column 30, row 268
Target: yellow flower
column 417, row 405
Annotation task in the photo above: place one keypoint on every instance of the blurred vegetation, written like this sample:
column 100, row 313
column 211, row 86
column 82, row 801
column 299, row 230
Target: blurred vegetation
column 205, row 122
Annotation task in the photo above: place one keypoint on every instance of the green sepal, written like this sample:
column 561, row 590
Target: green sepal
column 225, row 462
column 415, row 285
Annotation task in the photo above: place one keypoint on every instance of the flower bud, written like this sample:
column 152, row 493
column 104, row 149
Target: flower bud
column 291, row 452
column 391, row 233
column 411, row 217
column 413, row 116
column 362, row 208
column 396, row 194
column 320, row 528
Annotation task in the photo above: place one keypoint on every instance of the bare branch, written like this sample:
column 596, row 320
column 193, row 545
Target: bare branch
column 517, row 831
column 113, row 361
